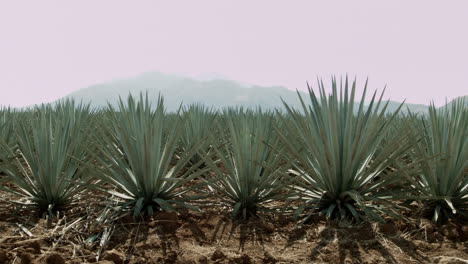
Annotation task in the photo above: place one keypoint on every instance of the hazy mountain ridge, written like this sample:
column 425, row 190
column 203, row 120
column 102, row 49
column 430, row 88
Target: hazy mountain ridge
column 216, row 93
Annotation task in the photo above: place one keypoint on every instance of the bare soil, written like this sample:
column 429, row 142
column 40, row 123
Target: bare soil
column 212, row 237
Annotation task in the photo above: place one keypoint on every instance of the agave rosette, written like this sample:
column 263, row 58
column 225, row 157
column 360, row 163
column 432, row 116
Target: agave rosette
column 44, row 163
column 443, row 182
column 249, row 173
column 342, row 160
column 138, row 152
column 198, row 123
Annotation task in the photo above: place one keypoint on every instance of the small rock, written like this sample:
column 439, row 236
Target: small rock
column 268, row 258
column 435, row 237
column 54, row 258
column 283, row 220
column 26, row 258
column 3, row 256
column 217, row 255
column 36, row 246
column 91, row 259
column 427, row 225
column 450, row 231
column 168, row 221
column 171, row 257
column 105, row 262
column 114, row 256
column 422, row 245
column 202, row 260
column 464, row 233
column 465, row 229
column 346, row 243
column 244, row 259
column 388, row 229
column 268, row 227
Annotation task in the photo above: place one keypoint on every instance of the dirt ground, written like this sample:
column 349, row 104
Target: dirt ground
column 189, row 238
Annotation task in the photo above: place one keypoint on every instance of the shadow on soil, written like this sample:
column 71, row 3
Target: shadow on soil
column 351, row 242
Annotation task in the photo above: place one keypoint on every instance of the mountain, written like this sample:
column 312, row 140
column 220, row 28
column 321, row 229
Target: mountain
column 217, row 93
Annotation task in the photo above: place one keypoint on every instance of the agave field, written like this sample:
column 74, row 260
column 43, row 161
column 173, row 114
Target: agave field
column 340, row 180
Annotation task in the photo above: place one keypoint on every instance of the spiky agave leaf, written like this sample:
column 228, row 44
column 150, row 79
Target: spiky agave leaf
column 198, row 122
column 50, row 145
column 343, row 156
column 140, row 161
column 250, row 174
column 7, row 119
column 443, row 181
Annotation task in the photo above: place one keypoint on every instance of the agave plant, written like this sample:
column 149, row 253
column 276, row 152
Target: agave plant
column 250, row 174
column 198, row 122
column 6, row 128
column 342, row 159
column 140, row 158
column 6, row 122
column 44, row 163
column 443, row 181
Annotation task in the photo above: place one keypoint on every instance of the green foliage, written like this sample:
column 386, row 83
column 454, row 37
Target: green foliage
column 443, row 181
column 250, row 174
column 198, row 123
column 335, row 157
column 7, row 117
column 342, row 159
column 44, row 165
column 140, row 161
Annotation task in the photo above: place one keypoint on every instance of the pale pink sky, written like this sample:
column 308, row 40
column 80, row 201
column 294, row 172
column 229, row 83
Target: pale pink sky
column 418, row 48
